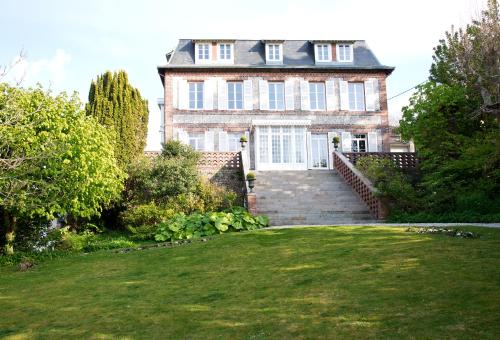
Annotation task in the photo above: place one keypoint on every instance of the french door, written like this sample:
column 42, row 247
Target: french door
column 280, row 148
column 319, row 151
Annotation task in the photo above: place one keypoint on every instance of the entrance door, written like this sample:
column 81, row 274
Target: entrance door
column 319, row 151
column 280, row 148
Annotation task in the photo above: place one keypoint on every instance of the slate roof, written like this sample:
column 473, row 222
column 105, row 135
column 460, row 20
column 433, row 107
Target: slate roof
column 297, row 54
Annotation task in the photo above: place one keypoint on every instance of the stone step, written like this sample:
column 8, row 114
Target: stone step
column 308, row 197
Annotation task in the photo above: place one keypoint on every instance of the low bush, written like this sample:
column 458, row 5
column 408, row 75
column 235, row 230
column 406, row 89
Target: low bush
column 196, row 225
column 141, row 220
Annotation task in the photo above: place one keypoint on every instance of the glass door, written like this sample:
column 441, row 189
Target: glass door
column 319, row 151
column 280, row 148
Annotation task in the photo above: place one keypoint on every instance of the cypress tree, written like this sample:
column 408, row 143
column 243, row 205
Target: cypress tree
column 118, row 105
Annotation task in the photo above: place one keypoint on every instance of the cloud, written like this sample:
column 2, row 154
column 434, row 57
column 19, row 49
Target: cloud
column 49, row 72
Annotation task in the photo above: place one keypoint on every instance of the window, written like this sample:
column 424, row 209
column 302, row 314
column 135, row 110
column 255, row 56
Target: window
column 356, row 97
column 281, row 147
column 196, row 95
column 274, row 52
column 317, row 96
column 233, row 140
column 203, row 52
column 323, row 52
column 358, row 143
column 225, row 52
column 276, row 96
column 197, row 141
column 235, row 96
column 344, row 52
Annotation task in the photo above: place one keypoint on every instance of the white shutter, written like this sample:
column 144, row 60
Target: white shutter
column 264, row 95
column 369, row 100
column 346, row 142
column 223, row 141
column 182, row 136
column 221, row 94
column 289, row 94
column 376, row 94
column 372, row 142
column 175, row 92
column 248, row 94
column 332, row 99
column 209, row 140
column 208, row 94
column 183, row 94
column 309, row 150
column 304, row 95
column 344, row 95
column 331, row 147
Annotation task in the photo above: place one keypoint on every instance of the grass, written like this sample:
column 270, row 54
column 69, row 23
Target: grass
column 337, row 282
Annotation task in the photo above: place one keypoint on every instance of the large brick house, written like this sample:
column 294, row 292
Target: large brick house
column 289, row 97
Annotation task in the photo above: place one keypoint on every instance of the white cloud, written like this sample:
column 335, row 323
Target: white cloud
column 49, row 72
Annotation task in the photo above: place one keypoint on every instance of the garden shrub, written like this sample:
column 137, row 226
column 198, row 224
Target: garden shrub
column 390, row 182
column 196, row 225
column 141, row 220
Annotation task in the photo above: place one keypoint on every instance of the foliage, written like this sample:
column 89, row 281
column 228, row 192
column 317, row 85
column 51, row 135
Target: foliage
column 141, row 220
column 243, row 139
column 470, row 57
column 336, row 140
column 390, row 182
column 172, row 173
column 55, row 160
column 251, row 176
column 119, row 106
column 196, row 225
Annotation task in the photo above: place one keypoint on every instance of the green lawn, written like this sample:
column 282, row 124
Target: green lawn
column 338, row 282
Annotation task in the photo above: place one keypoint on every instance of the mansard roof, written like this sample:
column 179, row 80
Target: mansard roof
column 297, row 54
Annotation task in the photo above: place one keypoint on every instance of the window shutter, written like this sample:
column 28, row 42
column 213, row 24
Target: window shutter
column 372, row 142
column 346, row 142
column 304, row 95
column 264, row 95
column 223, row 141
column 182, row 136
column 208, row 94
column 331, row 147
column 332, row 99
column 175, row 92
column 183, row 94
column 209, row 140
column 376, row 94
column 248, row 94
column 289, row 95
column 221, row 94
column 309, row 150
column 369, row 95
column 344, row 95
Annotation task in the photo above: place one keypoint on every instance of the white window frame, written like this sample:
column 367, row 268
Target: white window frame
column 359, row 91
column 235, row 99
column 222, row 57
column 341, row 54
column 271, row 56
column 197, row 140
column 196, row 84
column 317, row 55
column 205, row 58
column 276, row 99
column 296, row 149
column 313, row 104
column 233, row 141
column 356, row 138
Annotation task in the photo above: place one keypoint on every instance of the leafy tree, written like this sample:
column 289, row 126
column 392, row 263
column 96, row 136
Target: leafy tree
column 54, row 159
column 116, row 104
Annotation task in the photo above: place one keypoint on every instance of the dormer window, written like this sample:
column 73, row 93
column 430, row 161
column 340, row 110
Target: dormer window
column 203, row 52
column 274, row 53
column 225, row 52
column 323, row 52
column 344, row 52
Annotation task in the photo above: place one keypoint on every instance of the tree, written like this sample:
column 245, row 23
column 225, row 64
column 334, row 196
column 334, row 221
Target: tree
column 116, row 104
column 450, row 120
column 54, row 159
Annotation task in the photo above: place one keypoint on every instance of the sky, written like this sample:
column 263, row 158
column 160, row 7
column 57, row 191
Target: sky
column 69, row 43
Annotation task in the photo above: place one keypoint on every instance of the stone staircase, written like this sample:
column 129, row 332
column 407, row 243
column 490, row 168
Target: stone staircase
column 313, row 197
